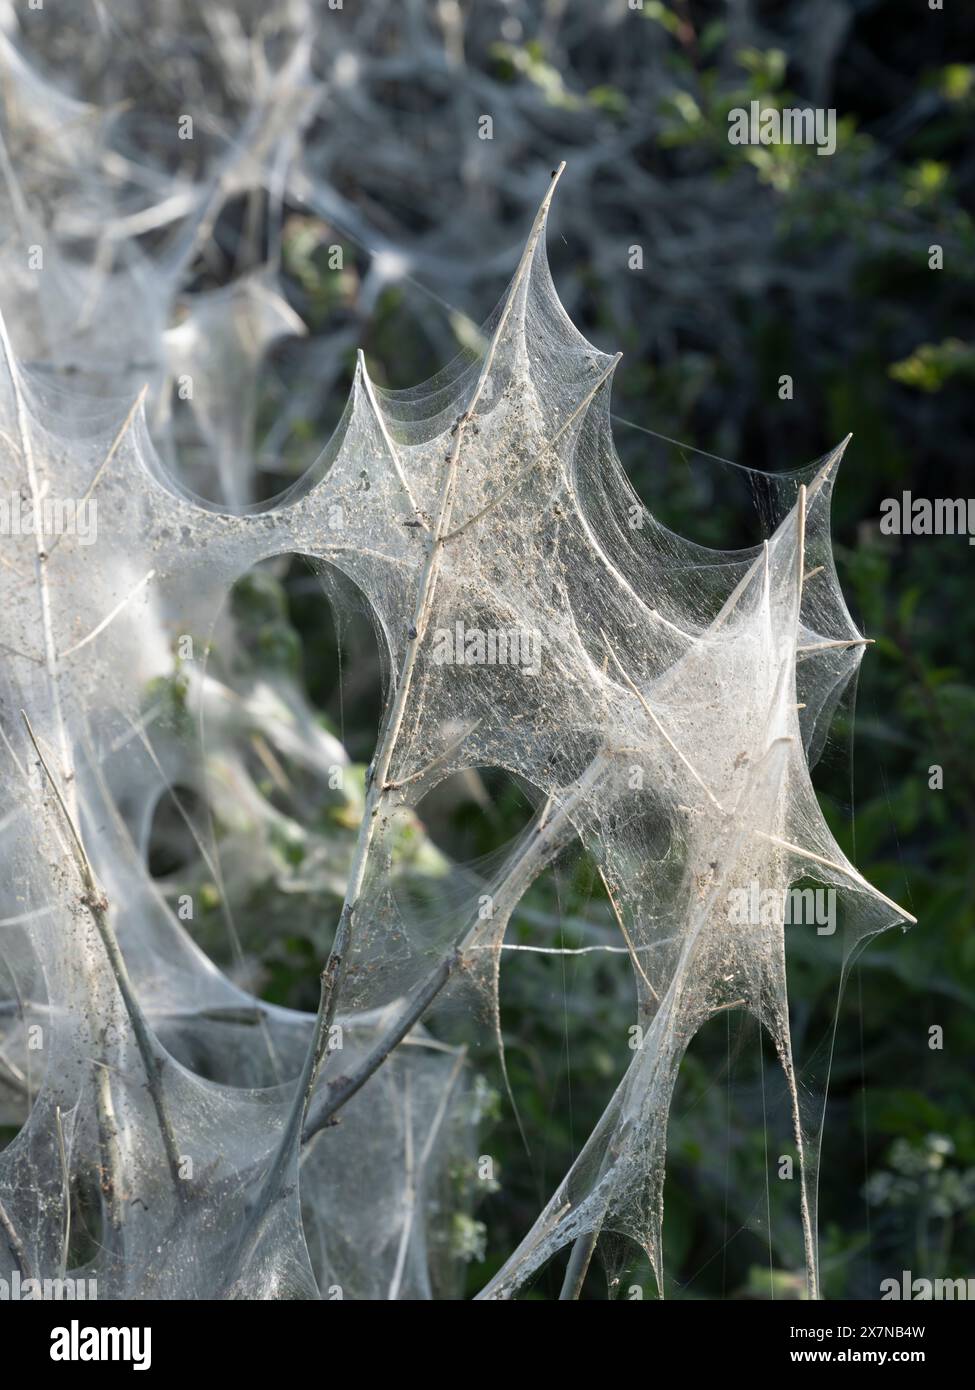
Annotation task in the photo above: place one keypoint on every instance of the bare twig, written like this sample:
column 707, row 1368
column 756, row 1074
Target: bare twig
column 97, row 904
column 66, row 1189
column 15, row 1242
column 578, row 1266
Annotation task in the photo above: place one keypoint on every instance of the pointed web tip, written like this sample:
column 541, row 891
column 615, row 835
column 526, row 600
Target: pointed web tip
column 550, row 193
column 832, row 460
column 6, row 347
column 840, row 450
column 835, row 455
column 140, row 408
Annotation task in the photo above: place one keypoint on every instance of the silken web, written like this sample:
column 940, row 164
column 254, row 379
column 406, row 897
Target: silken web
column 177, row 1135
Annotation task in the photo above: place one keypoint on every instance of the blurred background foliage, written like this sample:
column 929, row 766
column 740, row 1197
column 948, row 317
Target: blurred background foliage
column 754, row 263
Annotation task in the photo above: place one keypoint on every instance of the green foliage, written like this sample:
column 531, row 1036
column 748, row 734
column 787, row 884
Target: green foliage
column 931, row 366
